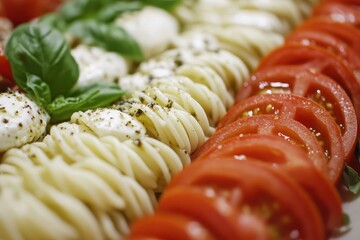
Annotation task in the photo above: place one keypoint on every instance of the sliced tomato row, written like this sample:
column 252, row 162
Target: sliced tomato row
column 271, row 168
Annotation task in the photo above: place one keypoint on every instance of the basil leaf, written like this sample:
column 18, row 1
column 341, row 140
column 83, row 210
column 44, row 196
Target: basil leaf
column 107, row 36
column 55, row 21
column 111, row 12
column 82, row 9
column 351, row 179
column 165, row 4
column 39, row 89
column 346, row 227
column 42, row 51
column 88, row 97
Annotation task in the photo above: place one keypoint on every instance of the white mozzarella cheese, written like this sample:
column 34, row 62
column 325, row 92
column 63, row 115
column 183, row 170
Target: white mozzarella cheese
column 110, row 122
column 153, row 28
column 97, row 65
column 21, row 120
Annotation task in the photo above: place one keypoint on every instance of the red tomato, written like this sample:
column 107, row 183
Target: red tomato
column 355, row 2
column 315, row 86
column 223, row 222
column 280, row 153
column 318, row 60
column 314, row 117
column 328, row 42
column 339, row 12
column 169, row 226
column 6, row 78
column 253, row 188
column 343, row 31
column 288, row 129
column 21, row 11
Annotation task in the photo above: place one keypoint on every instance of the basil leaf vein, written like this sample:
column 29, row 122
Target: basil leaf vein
column 87, row 97
column 113, row 11
column 42, row 51
column 107, row 36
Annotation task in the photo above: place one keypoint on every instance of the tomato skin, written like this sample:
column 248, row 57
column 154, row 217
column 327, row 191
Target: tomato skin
column 328, row 42
column 21, row 11
column 292, row 130
column 303, row 82
column 222, row 222
column 280, row 153
column 318, row 60
column 169, row 226
column 303, row 110
column 244, row 183
column 345, row 32
column 340, row 11
column 6, row 77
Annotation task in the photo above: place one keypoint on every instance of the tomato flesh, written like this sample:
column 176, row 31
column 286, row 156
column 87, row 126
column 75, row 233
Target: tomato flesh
column 318, row 121
column 22, row 11
column 286, row 128
column 280, row 153
column 6, row 77
column 270, row 195
column 169, row 226
column 315, row 86
column 318, row 60
column 340, row 12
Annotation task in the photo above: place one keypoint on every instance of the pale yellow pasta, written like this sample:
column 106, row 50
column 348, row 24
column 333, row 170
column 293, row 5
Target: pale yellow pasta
column 164, row 124
column 77, row 146
column 230, row 68
column 198, row 73
column 65, row 206
column 113, row 224
column 52, row 182
column 243, row 41
column 285, row 9
column 208, row 100
column 138, row 201
column 23, row 215
column 178, row 99
column 208, row 77
column 160, row 168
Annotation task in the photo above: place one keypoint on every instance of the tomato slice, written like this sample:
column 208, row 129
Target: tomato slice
column 339, row 11
column 318, row 60
column 21, row 11
column 289, row 129
column 250, row 188
column 280, row 153
column 169, row 226
column 6, row 78
column 223, row 222
column 345, row 32
column 315, row 86
column 303, row 110
column 328, row 42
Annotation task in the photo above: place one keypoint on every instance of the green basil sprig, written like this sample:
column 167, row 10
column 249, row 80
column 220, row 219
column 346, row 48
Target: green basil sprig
column 43, row 66
column 89, row 9
column 87, row 97
column 82, row 9
column 351, row 179
column 54, row 20
column 39, row 50
column 107, row 36
column 165, row 4
column 112, row 11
